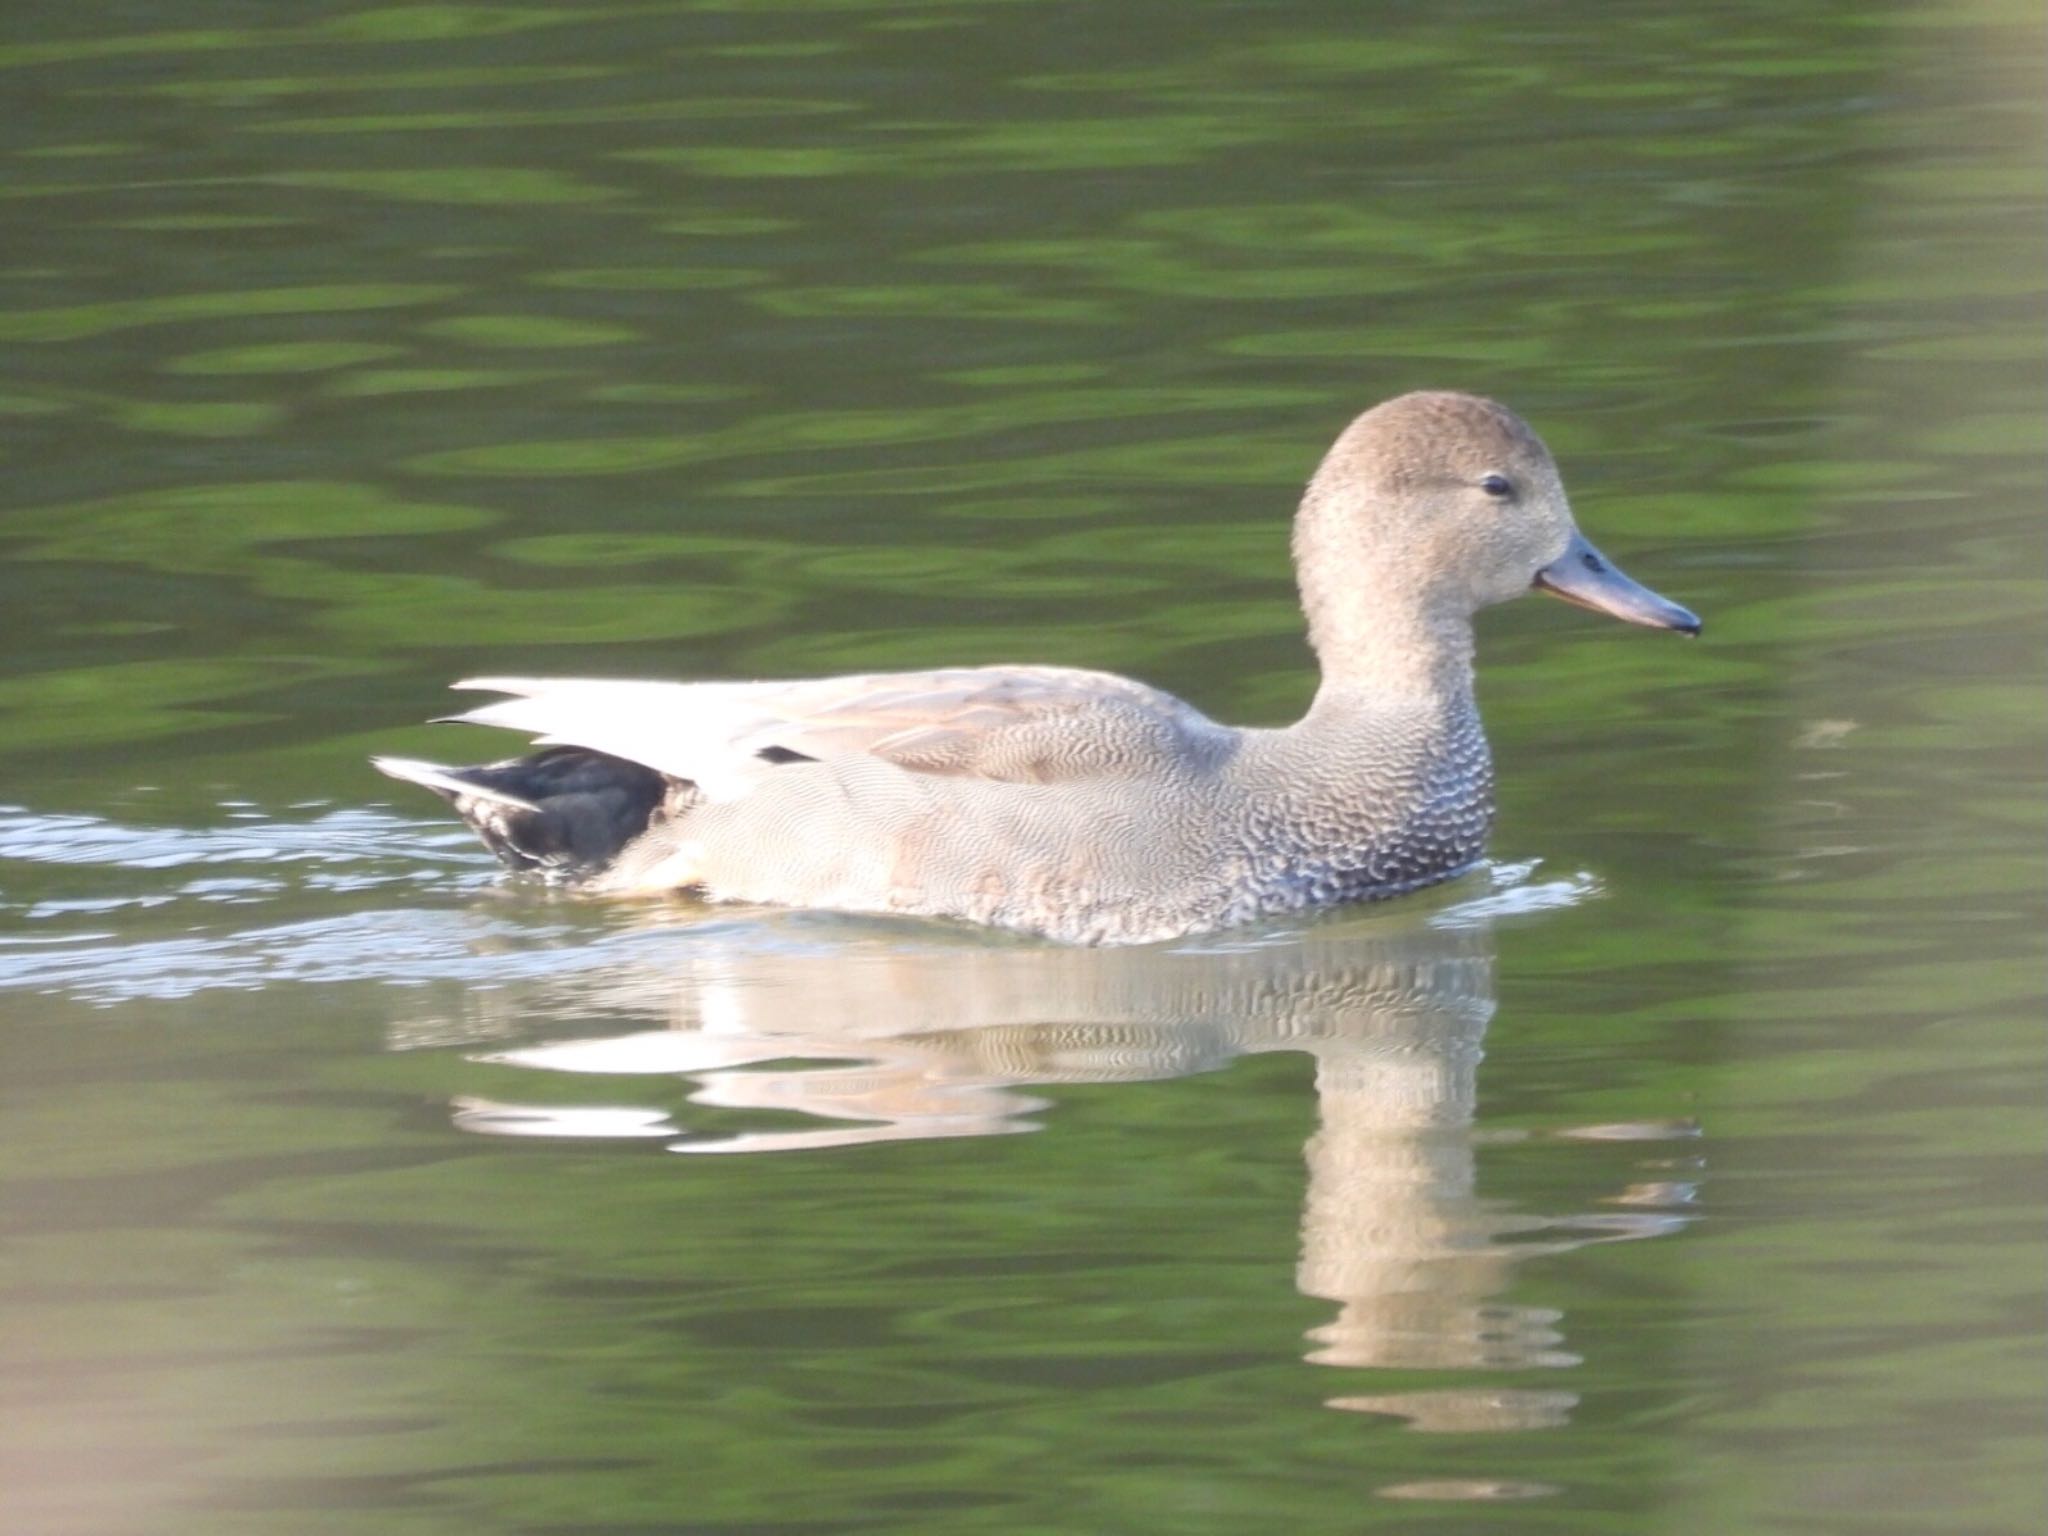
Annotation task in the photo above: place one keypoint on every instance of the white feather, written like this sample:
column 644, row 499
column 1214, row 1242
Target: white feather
column 434, row 776
column 708, row 733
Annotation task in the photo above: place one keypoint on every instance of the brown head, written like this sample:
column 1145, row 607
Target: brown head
column 1435, row 505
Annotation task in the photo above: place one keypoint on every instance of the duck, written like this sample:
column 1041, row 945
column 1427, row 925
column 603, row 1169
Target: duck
column 1081, row 806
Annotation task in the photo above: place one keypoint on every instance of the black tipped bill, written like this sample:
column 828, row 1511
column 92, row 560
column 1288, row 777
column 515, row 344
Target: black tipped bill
column 1584, row 576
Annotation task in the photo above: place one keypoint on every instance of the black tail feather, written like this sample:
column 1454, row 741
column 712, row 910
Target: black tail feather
column 564, row 813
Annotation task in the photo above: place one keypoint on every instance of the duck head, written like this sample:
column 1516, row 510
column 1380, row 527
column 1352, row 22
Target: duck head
column 1441, row 504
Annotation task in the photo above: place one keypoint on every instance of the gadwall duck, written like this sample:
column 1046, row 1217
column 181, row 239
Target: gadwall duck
column 1081, row 805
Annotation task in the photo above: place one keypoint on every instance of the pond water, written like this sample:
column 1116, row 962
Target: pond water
column 1680, row 1171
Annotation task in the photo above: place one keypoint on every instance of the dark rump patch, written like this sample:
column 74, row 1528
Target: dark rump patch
column 587, row 806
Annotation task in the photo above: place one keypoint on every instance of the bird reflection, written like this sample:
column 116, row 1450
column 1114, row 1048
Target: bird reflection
column 891, row 1041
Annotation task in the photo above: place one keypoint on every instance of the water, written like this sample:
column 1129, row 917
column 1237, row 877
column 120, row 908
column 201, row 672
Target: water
column 1679, row 1172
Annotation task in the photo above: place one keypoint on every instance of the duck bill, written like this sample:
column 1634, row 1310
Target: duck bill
column 1584, row 576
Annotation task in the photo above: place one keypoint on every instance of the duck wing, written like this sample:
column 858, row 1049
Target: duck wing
column 1023, row 724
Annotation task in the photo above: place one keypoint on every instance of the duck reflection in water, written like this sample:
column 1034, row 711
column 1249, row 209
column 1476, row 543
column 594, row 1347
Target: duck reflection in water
column 946, row 1041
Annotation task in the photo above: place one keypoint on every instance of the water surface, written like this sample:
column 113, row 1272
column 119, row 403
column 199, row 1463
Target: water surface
column 1678, row 1172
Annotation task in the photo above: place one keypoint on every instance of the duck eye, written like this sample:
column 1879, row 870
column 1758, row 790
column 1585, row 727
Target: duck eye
column 1498, row 485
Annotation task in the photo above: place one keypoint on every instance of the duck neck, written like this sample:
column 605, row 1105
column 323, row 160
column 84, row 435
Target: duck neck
column 1379, row 654
column 1393, row 740
column 1388, row 632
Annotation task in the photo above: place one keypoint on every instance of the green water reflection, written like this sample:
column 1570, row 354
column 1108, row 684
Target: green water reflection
column 351, row 352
